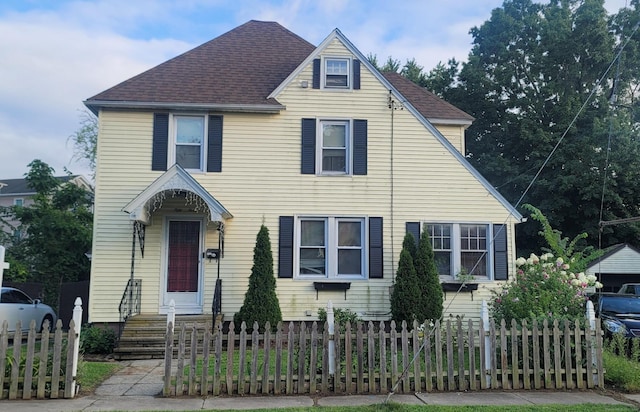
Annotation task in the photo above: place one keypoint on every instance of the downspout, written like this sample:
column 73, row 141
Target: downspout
column 391, row 106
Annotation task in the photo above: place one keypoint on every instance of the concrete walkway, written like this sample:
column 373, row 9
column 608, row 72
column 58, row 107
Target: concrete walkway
column 138, row 385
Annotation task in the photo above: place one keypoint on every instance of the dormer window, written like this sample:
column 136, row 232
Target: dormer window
column 336, row 73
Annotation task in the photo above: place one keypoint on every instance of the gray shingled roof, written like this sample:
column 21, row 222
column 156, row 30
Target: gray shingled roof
column 13, row 187
column 428, row 104
column 241, row 67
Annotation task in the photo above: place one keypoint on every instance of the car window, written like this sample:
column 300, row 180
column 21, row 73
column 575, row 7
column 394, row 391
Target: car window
column 14, row 296
column 618, row 305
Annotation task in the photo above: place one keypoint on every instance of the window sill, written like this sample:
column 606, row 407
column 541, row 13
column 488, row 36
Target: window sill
column 458, row 287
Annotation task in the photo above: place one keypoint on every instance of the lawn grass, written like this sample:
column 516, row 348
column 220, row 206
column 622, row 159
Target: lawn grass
column 92, row 374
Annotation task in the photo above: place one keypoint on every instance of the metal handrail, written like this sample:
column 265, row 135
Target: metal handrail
column 216, row 306
column 130, row 302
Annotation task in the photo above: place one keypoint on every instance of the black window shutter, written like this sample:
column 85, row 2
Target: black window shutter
column 285, row 247
column 414, row 229
column 500, row 257
column 160, row 141
column 316, row 74
column 214, row 152
column 359, row 147
column 356, row 74
column 375, row 248
column 308, row 155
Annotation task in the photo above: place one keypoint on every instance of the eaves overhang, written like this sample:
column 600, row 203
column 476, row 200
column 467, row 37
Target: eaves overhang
column 96, row 105
column 174, row 181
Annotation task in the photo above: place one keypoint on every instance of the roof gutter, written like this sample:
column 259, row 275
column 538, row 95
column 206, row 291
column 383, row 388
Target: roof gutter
column 96, row 105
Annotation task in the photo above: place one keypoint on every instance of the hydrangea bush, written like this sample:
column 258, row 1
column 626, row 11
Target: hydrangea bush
column 544, row 287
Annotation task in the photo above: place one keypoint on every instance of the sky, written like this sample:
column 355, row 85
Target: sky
column 56, row 54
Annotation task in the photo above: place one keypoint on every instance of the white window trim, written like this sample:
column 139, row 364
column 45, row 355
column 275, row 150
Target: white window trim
column 348, row 150
column 323, row 73
column 331, row 247
column 456, row 250
column 172, row 140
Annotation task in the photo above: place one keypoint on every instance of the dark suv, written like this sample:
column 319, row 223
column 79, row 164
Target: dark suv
column 619, row 313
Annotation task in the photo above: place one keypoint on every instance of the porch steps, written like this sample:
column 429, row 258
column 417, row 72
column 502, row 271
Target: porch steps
column 143, row 336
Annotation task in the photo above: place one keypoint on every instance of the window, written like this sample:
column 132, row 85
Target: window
column 334, row 147
column 181, row 139
column 460, row 247
column 189, row 137
column 331, row 247
column 18, row 202
column 336, row 73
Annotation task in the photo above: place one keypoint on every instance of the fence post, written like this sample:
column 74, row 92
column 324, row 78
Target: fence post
column 331, row 329
column 487, row 342
column 77, row 323
column 171, row 314
column 591, row 318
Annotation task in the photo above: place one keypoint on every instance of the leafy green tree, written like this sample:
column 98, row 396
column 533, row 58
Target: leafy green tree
column 532, row 81
column 58, row 229
column 260, row 302
column 431, row 295
column 405, row 297
column 85, row 140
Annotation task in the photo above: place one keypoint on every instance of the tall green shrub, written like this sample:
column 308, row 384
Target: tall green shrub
column 260, row 302
column 406, row 290
column 431, row 295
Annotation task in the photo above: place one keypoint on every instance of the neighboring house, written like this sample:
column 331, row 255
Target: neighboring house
column 16, row 192
column 258, row 126
column 620, row 264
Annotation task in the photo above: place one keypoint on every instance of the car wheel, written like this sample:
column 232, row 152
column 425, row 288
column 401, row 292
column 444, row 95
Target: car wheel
column 47, row 318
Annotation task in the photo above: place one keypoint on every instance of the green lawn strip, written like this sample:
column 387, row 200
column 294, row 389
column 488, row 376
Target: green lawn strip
column 92, row 374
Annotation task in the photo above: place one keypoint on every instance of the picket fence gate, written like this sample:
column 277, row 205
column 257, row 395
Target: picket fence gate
column 378, row 358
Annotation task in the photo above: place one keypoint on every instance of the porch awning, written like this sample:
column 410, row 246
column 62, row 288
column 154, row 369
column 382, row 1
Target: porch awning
column 175, row 181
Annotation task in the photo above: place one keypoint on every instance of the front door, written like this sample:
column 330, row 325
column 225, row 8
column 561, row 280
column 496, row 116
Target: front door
column 183, row 277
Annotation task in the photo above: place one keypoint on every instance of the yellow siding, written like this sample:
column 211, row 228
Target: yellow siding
column 454, row 134
column 261, row 181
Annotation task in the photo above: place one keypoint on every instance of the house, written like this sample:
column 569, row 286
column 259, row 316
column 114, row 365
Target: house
column 16, row 192
column 336, row 159
column 618, row 265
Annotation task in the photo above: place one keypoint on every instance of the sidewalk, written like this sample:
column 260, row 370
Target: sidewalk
column 136, row 388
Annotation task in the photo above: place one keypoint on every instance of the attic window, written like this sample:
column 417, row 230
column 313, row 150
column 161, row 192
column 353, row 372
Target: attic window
column 336, row 73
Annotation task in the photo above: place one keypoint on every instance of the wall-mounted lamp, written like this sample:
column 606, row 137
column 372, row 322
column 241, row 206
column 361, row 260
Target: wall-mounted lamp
column 304, row 84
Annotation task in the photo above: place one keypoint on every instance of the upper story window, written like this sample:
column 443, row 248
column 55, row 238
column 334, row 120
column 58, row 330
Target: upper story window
column 18, row 202
column 188, row 138
column 334, row 147
column 460, row 247
column 336, row 73
column 331, row 247
column 192, row 141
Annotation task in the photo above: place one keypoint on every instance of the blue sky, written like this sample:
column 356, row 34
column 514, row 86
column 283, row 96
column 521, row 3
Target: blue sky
column 55, row 54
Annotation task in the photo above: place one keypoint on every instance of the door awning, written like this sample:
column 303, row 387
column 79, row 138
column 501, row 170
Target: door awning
column 175, row 182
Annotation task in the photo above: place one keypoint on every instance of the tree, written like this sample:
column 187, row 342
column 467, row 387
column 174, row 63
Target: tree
column 260, row 302
column 58, row 229
column 85, row 140
column 533, row 68
column 405, row 297
column 431, row 295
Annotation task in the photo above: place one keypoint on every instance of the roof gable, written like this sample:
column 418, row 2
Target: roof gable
column 217, row 73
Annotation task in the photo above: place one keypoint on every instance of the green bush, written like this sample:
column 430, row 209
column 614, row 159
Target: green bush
column 622, row 373
column 97, row 340
column 341, row 317
column 405, row 298
column 431, row 294
column 260, row 302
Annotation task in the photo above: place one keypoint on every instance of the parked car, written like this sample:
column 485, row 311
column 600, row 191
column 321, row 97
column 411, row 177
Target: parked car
column 15, row 305
column 632, row 288
column 620, row 313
